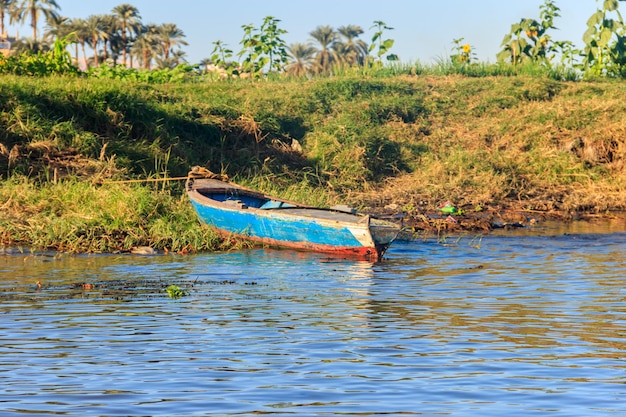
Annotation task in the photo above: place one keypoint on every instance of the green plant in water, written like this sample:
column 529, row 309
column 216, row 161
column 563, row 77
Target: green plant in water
column 174, row 292
column 476, row 242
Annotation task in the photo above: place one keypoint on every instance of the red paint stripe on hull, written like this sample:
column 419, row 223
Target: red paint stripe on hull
column 361, row 252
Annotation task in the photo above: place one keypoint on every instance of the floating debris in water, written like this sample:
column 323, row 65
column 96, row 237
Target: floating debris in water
column 174, row 291
column 143, row 250
column 119, row 290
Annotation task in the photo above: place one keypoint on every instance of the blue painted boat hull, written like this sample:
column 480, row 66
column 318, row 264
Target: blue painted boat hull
column 271, row 221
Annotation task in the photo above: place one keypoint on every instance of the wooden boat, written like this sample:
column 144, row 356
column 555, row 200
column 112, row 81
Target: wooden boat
column 265, row 220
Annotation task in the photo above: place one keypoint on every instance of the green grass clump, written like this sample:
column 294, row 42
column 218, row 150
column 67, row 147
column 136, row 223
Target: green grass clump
column 77, row 216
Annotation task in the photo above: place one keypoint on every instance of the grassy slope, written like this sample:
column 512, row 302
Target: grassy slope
column 413, row 141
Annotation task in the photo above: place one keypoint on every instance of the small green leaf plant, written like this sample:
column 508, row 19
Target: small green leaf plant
column 55, row 61
column 175, row 292
column 463, row 53
column 382, row 46
column 263, row 48
column 529, row 39
column 605, row 42
column 221, row 55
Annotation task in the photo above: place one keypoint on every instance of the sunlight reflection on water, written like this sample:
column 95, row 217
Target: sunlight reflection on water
column 518, row 324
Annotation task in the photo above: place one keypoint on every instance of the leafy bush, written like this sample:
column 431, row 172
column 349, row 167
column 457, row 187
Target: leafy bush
column 179, row 74
column 55, row 61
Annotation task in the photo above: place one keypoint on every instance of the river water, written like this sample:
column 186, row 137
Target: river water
column 520, row 323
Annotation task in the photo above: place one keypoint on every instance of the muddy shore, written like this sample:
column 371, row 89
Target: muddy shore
column 503, row 217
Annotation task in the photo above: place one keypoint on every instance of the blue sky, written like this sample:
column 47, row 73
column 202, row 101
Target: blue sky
column 423, row 30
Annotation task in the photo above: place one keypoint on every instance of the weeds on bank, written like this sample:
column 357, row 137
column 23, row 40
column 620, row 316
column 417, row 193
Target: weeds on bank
column 77, row 216
column 446, row 67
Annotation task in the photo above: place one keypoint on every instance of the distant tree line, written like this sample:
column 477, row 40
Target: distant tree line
column 119, row 37
column 263, row 49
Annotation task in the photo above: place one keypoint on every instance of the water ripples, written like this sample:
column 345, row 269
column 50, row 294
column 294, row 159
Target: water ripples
column 517, row 325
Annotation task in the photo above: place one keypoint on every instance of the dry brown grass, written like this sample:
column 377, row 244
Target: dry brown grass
column 564, row 153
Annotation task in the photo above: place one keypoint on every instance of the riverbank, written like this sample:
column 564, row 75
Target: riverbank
column 504, row 151
column 84, row 217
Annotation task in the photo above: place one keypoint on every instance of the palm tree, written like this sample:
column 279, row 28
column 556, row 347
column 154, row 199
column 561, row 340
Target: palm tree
column 163, row 63
column 33, row 8
column 109, row 26
column 325, row 56
column 56, row 28
column 146, row 45
column 175, row 59
column 29, row 45
column 95, row 28
column 129, row 19
column 349, row 48
column 142, row 49
column 79, row 27
column 178, row 56
column 115, row 43
column 301, row 58
column 5, row 7
column 205, row 63
column 170, row 36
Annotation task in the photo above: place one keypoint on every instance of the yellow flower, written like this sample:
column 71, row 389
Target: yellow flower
column 467, row 48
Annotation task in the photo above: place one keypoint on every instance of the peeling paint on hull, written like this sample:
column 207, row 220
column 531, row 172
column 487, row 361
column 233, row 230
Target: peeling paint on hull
column 234, row 210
